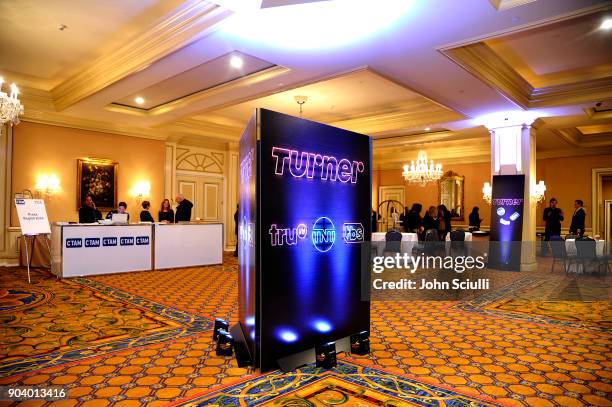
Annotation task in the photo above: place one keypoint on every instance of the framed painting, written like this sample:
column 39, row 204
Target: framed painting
column 98, row 178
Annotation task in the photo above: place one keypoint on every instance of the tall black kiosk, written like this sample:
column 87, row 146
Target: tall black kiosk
column 305, row 194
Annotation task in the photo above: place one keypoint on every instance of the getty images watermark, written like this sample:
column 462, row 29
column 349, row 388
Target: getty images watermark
column 404, row 262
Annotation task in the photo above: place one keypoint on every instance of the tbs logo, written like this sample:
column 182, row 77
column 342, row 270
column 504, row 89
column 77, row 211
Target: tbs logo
column 323, row 234
column 352, row 232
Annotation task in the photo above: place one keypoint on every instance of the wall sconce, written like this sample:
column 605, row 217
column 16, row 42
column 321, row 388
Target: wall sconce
column 141, row 190
column 538, row 192
column 47, row 185
column 487, row 192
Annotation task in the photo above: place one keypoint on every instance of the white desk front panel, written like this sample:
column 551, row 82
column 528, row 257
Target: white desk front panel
column 89, row 250
column 186, row 245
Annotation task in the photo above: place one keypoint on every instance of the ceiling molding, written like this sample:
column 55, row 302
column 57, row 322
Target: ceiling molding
column 190, row 22
column 485, row 64
column 56, row 119
column 193, row 127
column 236, row 84
column 501, row 5
column 595, row 114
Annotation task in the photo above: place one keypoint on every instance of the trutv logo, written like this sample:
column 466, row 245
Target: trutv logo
column 92, row 242
column 322, row 234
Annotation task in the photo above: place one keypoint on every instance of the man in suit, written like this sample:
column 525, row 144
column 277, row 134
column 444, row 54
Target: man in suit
column 553, row 216
column 88, row 212
column 183, row 210
column 577, row 226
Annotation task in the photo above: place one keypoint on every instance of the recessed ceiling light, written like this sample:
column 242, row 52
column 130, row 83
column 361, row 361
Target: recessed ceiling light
column 427, row 128
column 606, row 24
column 140, row 100
column 236, row 62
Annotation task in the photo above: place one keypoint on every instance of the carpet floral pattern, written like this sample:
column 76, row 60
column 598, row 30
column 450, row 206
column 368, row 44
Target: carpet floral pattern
column 512, row 355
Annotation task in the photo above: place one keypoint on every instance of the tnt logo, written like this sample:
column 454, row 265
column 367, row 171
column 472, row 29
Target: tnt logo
column 74, row 242
column 323, row 234
column 109, row 241
column 92, row 242
column 290, row 236
column 352, row 232
column 126, row 241
column 142, row 240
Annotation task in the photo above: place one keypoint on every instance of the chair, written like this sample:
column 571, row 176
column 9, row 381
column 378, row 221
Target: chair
column 586, row 247
column 557, row 245
column 393, row 241
column 457, row 243
column 429, row 245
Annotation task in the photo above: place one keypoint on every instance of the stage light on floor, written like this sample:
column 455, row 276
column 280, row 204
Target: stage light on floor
column 220, row 324
column 288, row 336
column 360, row 343
column 225, row 343
column 322, row 326
column 326, row 355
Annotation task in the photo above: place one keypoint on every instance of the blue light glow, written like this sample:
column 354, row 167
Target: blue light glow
column 288, row 335
column 322, row 326
column 250, row 321
column 316, row 25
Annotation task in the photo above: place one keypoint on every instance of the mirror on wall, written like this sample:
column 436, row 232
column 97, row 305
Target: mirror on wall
column 450, row 193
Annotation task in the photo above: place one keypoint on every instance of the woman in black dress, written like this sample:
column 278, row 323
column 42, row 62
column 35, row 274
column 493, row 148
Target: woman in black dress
column 166, row 214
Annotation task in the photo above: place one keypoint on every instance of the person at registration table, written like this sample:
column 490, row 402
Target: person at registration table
column 122, row 208
column 88, row 212
column 166, row 213
column 183, row 210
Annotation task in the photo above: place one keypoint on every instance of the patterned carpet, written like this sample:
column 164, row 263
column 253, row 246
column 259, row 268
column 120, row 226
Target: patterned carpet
column 144, row 339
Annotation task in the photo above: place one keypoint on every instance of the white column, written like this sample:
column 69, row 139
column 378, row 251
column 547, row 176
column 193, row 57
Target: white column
column 513, row 152
column 170, row 171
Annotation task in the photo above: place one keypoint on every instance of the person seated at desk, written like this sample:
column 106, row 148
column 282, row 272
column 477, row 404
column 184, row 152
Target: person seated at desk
column 145, row 215
column 122, row 208
column 166, row 214
column 183, row 210
column 88, row 212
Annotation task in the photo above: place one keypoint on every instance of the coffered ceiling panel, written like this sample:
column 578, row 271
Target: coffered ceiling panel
column 202, row 77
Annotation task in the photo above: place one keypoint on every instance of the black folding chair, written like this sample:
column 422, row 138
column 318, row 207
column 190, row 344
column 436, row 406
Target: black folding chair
column 393, row 241
column 557, row 245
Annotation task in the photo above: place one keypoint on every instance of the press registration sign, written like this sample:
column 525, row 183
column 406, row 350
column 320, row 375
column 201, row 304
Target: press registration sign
column 32, row 216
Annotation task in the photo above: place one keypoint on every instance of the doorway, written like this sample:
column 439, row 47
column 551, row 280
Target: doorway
column 206, row 194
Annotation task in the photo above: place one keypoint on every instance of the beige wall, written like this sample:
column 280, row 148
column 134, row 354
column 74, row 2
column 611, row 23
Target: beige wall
column 475, row 175
column 566, row 179
column 40, row 148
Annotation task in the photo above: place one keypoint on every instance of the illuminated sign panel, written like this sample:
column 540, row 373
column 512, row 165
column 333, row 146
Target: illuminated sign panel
column 506, row 221
column 305, row 195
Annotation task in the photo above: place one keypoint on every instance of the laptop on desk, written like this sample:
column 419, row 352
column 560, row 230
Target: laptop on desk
column 119, row 218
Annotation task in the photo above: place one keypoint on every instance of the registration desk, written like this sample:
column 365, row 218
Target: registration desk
column 186, row 245
column 90, row 249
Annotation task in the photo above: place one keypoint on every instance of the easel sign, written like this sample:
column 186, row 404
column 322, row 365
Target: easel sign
column 32, row 216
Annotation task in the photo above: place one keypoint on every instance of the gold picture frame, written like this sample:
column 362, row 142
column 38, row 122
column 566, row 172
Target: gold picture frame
column 97, row 177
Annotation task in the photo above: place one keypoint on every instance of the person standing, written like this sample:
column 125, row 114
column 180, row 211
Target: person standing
column 88, row 213
column 166, row 213
column 578, row 218
column 145, row 215
column 413, row 221
column 183, row 210
column 430, row 221
column 444, row 217
column 553, row 216
column 475, row 219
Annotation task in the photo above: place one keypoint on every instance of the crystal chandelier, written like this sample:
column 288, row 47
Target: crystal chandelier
column 422, row 173
column 10, row 106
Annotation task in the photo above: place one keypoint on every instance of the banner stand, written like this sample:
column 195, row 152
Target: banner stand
column 29, row 256
column 33, row 222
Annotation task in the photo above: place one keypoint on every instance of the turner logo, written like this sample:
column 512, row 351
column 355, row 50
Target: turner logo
column 352, row 232
column 74, row 242
column 314, row 165
column 289, row 236
column 323, row 234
